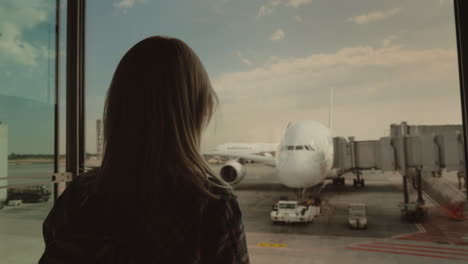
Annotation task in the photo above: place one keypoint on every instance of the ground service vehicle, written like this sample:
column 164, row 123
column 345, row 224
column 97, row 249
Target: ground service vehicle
column 357, row 216
column 294, row 212
column 36, row 193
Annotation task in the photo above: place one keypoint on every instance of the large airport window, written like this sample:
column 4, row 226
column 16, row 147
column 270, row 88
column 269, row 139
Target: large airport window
column 27, row 125
column 365, row 73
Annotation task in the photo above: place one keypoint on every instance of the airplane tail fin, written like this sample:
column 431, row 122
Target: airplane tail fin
column 330, row 110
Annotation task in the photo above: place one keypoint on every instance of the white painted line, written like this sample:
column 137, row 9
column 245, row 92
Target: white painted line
column 421, row 228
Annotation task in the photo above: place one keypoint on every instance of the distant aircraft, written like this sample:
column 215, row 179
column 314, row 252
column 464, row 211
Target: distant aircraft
column 234, row 148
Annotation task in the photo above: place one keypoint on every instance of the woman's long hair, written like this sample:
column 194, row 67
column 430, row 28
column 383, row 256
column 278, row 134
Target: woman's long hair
column 159, row 101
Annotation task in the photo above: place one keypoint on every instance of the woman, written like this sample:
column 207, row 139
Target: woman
column 154, row 199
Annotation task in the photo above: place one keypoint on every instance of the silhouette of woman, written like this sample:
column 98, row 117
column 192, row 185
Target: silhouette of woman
column 154, row 199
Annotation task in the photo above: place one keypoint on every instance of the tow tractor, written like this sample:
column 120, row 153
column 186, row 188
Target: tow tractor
column 36, row 193
column 357, row 216
column 285, row 211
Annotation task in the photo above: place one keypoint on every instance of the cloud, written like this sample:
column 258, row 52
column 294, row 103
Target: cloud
column 278, row 35
column 298, row 18
column 386, row 42
column 269, row 8
column 243, row 59
column 346, row 62
column 297, row 3
column 264, row 10
column 374, row 16
column 124, row 5
column 16, row 17
column 373, row 86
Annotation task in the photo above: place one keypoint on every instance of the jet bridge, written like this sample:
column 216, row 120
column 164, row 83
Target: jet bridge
column 420, row 159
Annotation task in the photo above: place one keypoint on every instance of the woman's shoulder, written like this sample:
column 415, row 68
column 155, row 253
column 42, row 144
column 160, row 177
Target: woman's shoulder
column 89, row 175
column 80, row 189
column 226, row 204
column 217, row 188
column 85, row 179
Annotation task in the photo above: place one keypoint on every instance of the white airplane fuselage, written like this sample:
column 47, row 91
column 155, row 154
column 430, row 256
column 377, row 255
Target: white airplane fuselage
column 305, row 154
column 247, row 148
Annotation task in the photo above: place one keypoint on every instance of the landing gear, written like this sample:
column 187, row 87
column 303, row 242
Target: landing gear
column 339, row 181
column 301, row 194
column 413, row 212
column 358, row 182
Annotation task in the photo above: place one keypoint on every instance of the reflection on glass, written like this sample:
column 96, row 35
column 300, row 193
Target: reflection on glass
column 273, row 63
column 27, row 53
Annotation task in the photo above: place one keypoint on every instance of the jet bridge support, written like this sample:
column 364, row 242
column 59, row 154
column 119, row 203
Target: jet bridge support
column 419, row 187
column 419, row 159
column 461, row 180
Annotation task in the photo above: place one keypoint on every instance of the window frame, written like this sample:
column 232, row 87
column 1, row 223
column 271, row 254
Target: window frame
column 75, row 90
column 75, row 98
column 461, row 27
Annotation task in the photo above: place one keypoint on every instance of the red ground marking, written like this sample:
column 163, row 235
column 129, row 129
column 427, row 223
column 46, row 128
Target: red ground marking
column 456, row 212
column 417, row 246
column 446, row 233
column 407, row 235
column 429, row 237
column 416, row 250
column 416, row 239
column 454, row 238
column 406, row 253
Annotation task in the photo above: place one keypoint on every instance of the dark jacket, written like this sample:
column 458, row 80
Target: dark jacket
column 85, row 229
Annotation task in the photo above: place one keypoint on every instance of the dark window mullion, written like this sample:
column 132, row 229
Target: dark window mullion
column 461, row 23
column 75, row 118
column 81, row 87
column 57, row 95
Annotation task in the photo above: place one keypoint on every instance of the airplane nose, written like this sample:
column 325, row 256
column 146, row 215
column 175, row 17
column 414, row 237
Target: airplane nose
column 301, row 171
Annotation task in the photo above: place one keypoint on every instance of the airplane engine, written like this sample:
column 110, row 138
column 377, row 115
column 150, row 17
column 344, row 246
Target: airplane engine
column 232, row 172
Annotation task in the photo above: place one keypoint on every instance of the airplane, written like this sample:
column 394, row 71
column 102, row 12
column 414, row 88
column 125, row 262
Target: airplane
column 235, row 148
column 304, row 157
column 251, row 148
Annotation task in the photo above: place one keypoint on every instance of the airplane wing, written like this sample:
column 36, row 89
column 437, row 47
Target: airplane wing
column 270, row 161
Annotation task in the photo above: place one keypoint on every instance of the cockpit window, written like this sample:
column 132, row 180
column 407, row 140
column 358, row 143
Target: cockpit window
column 298, row 147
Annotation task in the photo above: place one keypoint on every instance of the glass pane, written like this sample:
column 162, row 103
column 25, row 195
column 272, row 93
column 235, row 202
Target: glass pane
column 27, row 98
column 351, row 68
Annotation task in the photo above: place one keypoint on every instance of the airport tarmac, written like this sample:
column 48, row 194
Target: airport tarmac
column 326, row 240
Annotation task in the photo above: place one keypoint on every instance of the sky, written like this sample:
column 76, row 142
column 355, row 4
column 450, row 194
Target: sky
column 270, row 61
